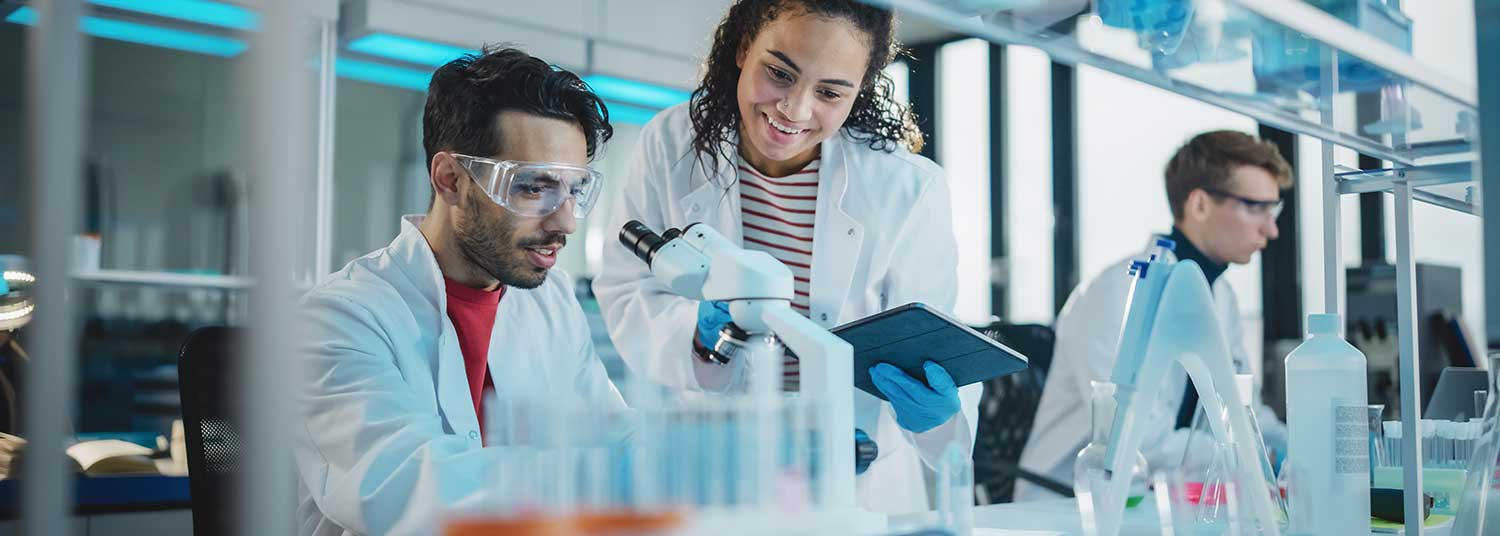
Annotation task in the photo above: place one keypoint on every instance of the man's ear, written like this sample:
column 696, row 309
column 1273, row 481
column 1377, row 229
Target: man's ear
column 1197, row 206
column 445, row 175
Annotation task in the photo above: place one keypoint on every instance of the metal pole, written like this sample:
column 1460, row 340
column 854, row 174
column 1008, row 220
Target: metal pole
column 1411, row 397
column 1333, row 264
column 327, row 93
column 280, row 157
column 57, row 57
column 1487, row 46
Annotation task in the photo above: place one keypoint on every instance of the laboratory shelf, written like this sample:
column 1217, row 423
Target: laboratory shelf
column 1266, row 59
column 161, row 279
column 1307, row 67
column 1449, row 185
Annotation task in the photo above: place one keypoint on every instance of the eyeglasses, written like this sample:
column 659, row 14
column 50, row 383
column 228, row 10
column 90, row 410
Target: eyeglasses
column 1255, row 207
column 534, row 189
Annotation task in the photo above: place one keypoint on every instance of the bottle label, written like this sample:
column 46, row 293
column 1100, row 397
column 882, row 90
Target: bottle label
column 1351, row 431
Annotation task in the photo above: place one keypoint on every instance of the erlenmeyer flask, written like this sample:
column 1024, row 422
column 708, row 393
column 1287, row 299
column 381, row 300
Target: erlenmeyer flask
column 1092, row 474
column 1479, row 509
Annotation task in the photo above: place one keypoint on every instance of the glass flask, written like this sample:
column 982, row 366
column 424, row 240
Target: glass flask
column 1091, row 474
column 1479, row 507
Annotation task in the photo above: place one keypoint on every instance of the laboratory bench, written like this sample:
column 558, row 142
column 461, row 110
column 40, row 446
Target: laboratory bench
column 1056, row 517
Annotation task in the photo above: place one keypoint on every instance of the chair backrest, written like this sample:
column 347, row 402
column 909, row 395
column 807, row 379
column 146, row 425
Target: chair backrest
column 1008, row 409
column 204, row 369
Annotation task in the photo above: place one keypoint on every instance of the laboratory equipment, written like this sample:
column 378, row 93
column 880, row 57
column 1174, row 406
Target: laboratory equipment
column 754, row 462
column 1328, row 432
column 698, row 263
column 1453, row 398
column 1211, row 470
column 1165, row 325
column 1091, row 470
column 984, row 7
column 955, row 490
column 1479, row 507
column 1160, row 25
column 1290, row 60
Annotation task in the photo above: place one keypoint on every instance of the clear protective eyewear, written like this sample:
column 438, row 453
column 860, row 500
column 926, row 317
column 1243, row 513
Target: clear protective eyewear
column 1259, row 208
column 534, row 189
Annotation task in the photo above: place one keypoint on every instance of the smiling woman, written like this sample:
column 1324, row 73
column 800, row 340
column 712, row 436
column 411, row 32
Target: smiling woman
column 793, row 145
column 755, row 76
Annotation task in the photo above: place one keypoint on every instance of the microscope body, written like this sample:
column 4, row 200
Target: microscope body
column 699, row 263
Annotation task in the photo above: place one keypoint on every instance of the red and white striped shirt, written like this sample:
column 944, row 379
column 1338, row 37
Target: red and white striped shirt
column 777, row 217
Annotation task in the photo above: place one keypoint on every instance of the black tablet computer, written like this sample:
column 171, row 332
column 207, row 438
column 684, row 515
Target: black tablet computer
column 911, row 334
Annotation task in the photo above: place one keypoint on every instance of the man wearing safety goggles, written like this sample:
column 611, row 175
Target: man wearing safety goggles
column 1224, row 188
column 407, row 345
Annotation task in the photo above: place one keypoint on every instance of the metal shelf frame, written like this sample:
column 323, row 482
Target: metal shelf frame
column 1405, row 181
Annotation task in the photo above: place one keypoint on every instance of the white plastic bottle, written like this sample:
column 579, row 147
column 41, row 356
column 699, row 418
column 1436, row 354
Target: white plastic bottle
column 1327, row 423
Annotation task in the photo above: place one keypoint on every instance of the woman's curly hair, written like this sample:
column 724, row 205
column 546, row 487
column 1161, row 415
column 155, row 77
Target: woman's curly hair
column 876, row 119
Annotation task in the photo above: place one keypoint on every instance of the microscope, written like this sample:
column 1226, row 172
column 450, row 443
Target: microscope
column 698, row 263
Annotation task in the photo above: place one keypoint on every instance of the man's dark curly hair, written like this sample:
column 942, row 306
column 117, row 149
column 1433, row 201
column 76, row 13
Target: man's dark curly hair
column 876, row 119
column 466, row 96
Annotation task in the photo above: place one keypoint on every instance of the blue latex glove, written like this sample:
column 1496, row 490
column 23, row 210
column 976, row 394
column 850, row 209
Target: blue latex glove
column 919, row 408
column 712, row 315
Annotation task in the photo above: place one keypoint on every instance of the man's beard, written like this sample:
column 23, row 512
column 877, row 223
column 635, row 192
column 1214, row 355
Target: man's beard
column 489, row 245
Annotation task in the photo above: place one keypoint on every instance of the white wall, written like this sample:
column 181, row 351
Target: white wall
column 1030, row 221
column 964, row 152
column 1126, row 133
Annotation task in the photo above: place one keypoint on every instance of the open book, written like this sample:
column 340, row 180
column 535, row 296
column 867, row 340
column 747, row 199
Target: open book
column 111, row 457
column 101, row 457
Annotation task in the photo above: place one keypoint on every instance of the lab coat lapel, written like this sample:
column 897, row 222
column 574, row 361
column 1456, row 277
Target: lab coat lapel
column 716, row 199
column 452, row 382
column 836, row 235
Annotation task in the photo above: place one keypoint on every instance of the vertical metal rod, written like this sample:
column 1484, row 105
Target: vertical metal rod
column 1333, row 264
column 327, row 95
column 1487, row 46
column 57, row 78
column 1411, row 399
column 280, row 145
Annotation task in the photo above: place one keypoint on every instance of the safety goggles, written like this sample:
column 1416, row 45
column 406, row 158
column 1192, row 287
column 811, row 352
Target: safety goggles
column 1259, row 208
column 534, row 189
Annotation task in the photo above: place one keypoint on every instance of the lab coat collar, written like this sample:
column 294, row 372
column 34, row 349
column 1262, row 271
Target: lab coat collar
column 416, row 259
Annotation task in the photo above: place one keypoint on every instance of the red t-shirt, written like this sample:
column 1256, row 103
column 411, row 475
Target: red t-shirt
column 472, row 311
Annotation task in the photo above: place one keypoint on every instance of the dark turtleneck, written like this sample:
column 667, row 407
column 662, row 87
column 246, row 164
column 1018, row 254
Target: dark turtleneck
column 1185, row 251
column 1188, row 251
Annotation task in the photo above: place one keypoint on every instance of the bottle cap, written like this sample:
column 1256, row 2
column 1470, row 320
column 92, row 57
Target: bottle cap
column 1246, row 386
column 1323, row 324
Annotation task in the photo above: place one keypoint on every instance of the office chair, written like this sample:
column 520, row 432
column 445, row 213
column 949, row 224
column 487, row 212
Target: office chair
column 1006, row 415
column 204, row 368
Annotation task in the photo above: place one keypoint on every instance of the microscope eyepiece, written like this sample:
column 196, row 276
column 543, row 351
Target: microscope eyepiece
column 642, row 241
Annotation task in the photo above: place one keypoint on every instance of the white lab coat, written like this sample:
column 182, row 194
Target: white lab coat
column 390, row 436
column 1088, row 333
column 886, row 241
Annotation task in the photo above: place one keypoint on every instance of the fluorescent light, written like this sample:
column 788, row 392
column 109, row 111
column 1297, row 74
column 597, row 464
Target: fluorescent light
column 145, row 34
column 632, row 92
column 417, row 80
column 631, row 115
column 199, row 11
column 382, row 74
column 407, row 49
